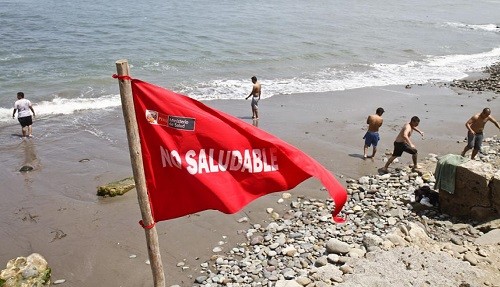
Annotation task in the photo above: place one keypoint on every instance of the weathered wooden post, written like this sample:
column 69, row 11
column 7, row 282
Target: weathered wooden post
column 134, row 145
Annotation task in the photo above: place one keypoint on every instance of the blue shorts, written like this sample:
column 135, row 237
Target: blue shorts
column 371, row 138
column 475, row 141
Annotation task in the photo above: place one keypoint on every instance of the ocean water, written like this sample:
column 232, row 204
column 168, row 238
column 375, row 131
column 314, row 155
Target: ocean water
column 63, row 56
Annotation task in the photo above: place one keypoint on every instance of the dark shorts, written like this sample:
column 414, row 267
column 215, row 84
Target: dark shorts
column 475, row 141
column 371, row 138
column 399, row 148
column 25, row 121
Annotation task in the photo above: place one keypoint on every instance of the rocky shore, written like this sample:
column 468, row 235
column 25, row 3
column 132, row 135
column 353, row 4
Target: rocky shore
column 490, row 83
column 389, row 240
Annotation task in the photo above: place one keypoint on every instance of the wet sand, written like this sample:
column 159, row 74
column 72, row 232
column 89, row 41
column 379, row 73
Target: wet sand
column 88, row 241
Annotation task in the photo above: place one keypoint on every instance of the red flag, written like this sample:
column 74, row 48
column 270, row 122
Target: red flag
column 197, row 158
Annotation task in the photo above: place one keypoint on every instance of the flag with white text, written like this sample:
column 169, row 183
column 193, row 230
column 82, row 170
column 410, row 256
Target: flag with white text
column 197, row 158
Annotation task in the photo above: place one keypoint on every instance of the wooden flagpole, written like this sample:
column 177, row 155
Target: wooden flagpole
column 134, row 146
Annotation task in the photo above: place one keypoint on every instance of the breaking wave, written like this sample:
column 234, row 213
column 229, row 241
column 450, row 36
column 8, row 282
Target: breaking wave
column 429, row 70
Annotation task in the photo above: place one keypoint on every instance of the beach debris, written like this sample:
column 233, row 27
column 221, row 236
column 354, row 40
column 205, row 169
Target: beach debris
column 217, row 249
column 84, row 160
column 132, row 256
column 27, row 215
column 243, row 219
column 26, row 168
column 116, row 188
column 59, row 281
column 59, row 234
column 26, row 271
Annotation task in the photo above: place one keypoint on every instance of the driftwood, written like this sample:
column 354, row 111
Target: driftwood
column 116, row 188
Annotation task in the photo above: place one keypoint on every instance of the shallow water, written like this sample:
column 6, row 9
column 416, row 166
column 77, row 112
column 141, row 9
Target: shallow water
column 62, row 56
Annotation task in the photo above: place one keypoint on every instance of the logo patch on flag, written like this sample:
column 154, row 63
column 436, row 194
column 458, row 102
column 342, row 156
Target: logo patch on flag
column 181, row 123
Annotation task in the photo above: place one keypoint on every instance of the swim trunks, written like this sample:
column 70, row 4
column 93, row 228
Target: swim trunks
column 371, row 138
column 400, row 147
column 255, row 102
column 25, row 121
column 475, row 141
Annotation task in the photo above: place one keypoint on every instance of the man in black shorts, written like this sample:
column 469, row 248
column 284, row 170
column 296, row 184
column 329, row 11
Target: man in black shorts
column 23, row 107
column 404, row 144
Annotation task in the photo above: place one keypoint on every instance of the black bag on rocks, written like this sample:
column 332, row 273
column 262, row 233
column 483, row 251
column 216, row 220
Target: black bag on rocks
column 426, row 196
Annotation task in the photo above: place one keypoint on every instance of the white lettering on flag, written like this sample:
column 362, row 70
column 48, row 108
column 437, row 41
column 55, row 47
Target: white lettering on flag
column 248, row 160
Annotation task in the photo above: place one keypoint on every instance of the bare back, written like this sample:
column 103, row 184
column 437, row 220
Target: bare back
column 374, row 122
column 256, row 89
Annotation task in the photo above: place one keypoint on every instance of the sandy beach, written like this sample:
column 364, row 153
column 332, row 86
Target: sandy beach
column 91, row 241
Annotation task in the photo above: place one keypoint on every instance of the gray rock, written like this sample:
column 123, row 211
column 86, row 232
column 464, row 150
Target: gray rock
column 322, row 261
column 471, row 258
column 490, row 238
column 201, row 279
column 370, row 240
column 287, row 283
column 336, row 246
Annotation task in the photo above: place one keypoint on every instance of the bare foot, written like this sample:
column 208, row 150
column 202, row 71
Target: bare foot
column 416, row 166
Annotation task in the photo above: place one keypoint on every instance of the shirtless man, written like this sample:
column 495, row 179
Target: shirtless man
column 404, row 144
column 255, row 99
column 475, row 126
column 372, row 137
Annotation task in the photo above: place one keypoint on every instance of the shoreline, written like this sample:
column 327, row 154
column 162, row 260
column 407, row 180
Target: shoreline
column 55, row 212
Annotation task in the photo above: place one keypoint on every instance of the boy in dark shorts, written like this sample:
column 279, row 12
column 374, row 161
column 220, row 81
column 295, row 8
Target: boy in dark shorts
column 404, row 144
column 23, row 107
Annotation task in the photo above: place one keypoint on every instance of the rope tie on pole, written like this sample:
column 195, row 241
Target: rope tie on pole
column 147, row 226
column 115, row 76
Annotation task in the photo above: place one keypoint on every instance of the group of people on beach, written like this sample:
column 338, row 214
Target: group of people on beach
column 402, row 143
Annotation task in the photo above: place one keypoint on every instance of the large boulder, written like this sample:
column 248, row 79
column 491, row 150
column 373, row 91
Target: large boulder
column 477, row 192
